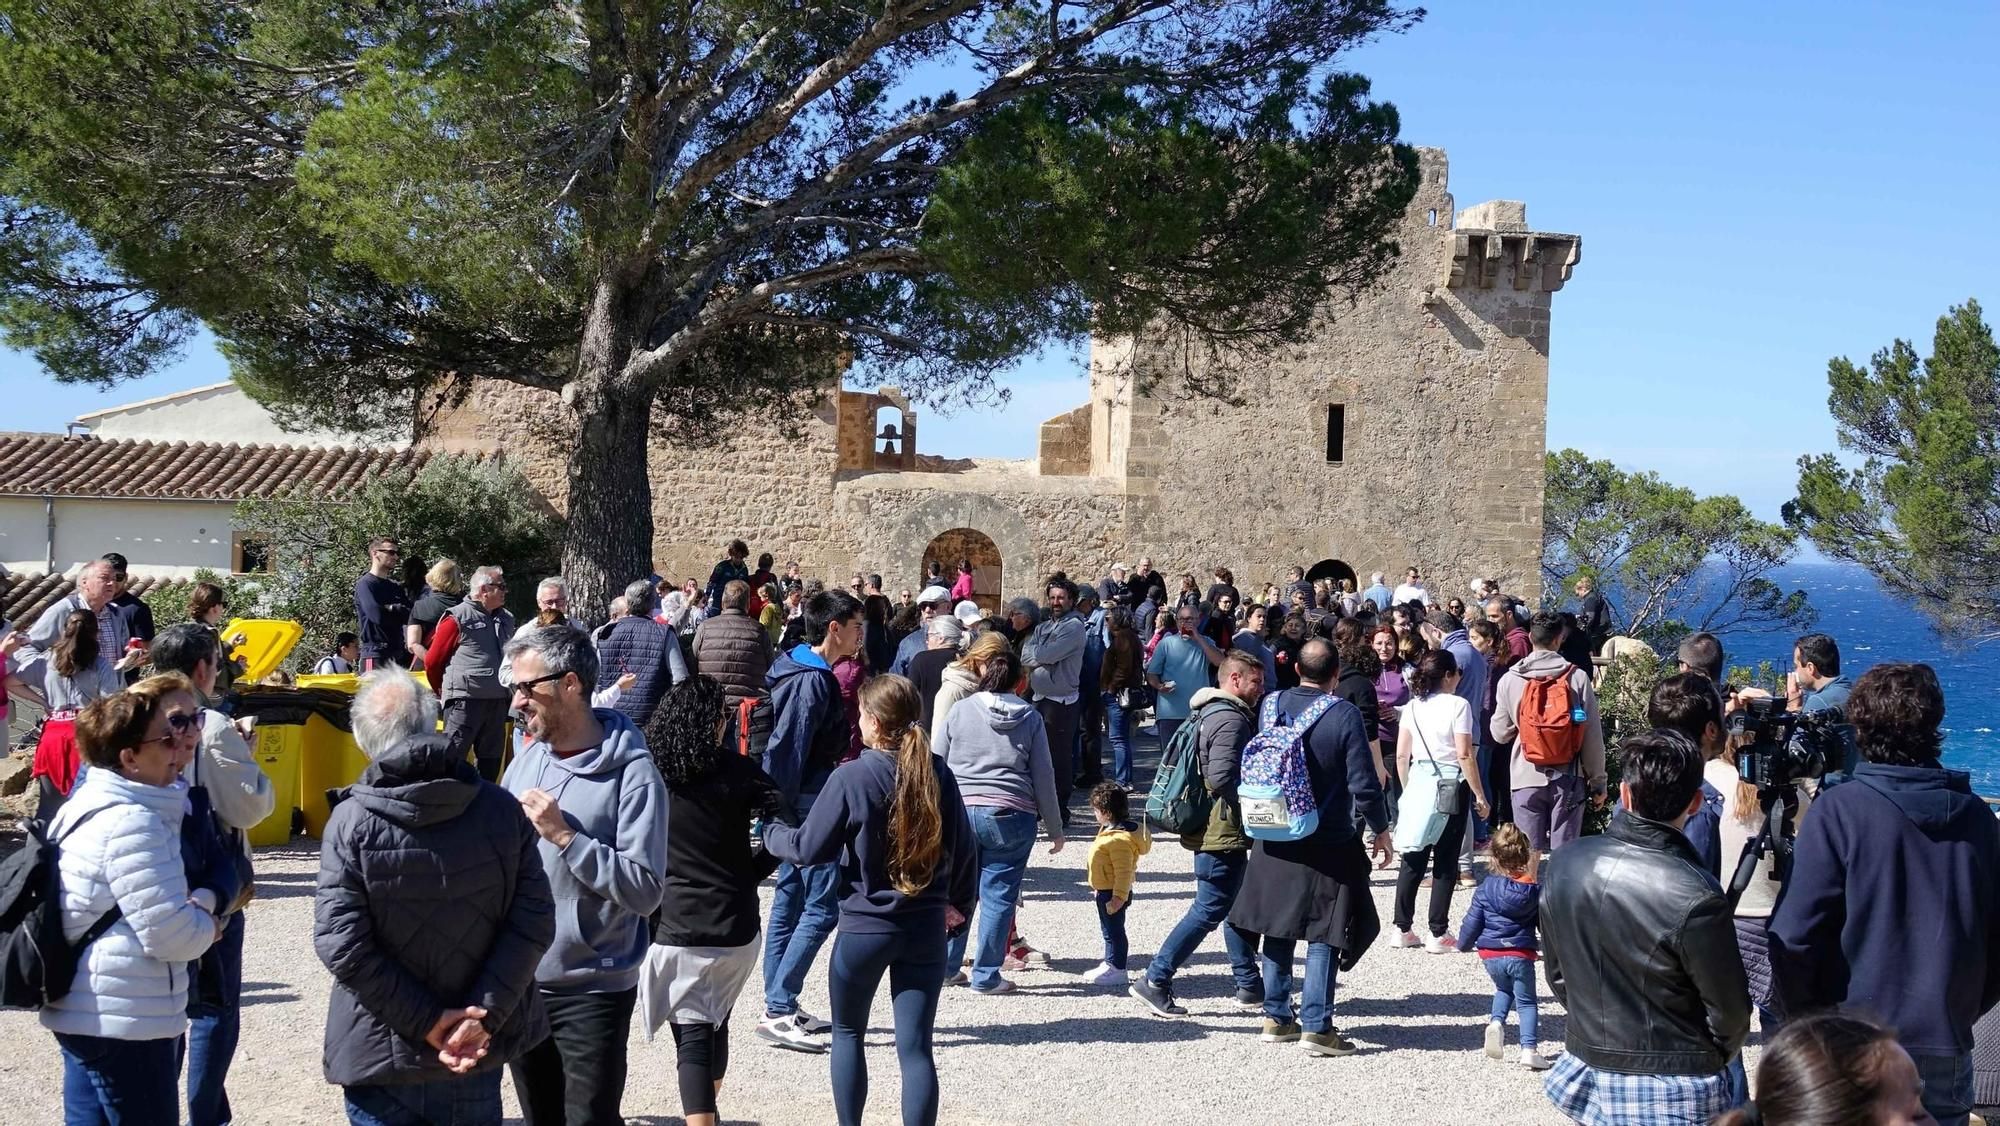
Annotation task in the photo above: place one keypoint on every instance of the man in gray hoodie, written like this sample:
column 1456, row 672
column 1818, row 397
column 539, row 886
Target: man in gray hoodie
column 1053, row 657
column 1548, row 800
column 590, row 789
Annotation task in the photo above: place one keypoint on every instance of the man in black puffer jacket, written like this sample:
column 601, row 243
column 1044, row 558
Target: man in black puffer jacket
column 432, row 913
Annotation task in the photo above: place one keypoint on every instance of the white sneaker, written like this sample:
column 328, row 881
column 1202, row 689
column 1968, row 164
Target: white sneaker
column 1535, row 1061
column 1106, row 974
column 1405, row 940
column 786, row 1033
column 1440, row 944
column 1496, row 1039
column 812, row 1024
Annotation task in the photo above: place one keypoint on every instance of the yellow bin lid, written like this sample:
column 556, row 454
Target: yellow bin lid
column 266, row 644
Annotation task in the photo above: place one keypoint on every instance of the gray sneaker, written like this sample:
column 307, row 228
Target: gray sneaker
column 1328, row 1043
column 1158, row 1000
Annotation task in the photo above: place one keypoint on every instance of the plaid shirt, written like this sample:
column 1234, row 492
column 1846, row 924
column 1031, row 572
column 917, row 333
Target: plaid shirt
column 1610, row 1098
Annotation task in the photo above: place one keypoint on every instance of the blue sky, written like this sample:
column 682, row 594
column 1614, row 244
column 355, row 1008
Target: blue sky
column 1758, row 187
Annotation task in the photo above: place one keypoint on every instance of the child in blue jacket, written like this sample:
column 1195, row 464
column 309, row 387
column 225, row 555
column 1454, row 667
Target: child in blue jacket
column 1500, row 925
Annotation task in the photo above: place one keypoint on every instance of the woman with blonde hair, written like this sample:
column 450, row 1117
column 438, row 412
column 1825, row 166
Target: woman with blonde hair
column 128, row 905
column 961, row 677
column 909, row 873
column 444, row 588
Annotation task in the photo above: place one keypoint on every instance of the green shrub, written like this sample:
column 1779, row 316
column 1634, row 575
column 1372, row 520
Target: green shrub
column 479, row 512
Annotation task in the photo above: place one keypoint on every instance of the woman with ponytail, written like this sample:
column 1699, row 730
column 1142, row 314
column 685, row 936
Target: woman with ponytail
column 909, row 878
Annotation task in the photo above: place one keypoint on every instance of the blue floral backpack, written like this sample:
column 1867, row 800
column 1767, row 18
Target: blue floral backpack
column 1275, row 794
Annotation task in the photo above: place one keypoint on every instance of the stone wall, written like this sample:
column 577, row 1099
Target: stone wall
column 1064, row 449
column 1441, row 373
column 772, row 490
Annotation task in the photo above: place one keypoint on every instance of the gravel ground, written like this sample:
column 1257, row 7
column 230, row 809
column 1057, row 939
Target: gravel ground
column 1056, row 1052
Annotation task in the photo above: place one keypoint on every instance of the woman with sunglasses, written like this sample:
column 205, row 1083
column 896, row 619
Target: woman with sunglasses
column 126, row 902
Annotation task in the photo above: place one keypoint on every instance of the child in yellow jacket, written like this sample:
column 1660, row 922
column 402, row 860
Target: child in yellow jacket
column 1114, row 857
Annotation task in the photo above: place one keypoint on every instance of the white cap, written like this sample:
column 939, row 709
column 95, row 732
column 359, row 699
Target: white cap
column 968, row 612
column 932, row 594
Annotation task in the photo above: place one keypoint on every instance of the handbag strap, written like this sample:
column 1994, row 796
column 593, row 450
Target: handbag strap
column 1417, row 727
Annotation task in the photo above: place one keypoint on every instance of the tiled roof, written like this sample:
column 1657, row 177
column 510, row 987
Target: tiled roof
column 58, row 465
column 24, row 597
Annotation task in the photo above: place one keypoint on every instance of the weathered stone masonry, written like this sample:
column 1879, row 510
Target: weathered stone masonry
column 1440, row 376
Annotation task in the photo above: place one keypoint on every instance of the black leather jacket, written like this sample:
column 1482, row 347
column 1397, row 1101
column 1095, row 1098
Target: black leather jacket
column 1640, row 947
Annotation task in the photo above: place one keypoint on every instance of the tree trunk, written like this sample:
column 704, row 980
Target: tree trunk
column 608, row 535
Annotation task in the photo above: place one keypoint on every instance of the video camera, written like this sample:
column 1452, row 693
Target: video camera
column 1785, row 747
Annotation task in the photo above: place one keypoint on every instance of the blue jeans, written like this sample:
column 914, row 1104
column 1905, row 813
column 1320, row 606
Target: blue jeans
column 473, row 1100
column 1947, row 1087
column 1116, row 948
column 1117, row 730
column 1315, row 1011
column 1218, row 876
column 212, row 1029
column 1514, row 988
column 110, row 1082
column 1006, row 837
column 804, row 906
column 915, row 965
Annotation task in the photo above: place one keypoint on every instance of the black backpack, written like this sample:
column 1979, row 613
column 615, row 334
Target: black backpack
column 37, row 965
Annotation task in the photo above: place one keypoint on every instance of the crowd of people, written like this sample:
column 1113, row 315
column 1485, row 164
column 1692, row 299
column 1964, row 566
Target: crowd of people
column 486, row 906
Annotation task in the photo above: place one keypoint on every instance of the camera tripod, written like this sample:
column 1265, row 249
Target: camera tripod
column 1780, row 804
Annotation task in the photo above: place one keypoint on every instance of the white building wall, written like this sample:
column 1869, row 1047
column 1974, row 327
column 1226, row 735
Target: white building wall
column 221, row 413
column 24, row 535
column 169, row 539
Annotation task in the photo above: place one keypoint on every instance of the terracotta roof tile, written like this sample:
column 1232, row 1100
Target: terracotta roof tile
column 59, row 465
column 24, row 597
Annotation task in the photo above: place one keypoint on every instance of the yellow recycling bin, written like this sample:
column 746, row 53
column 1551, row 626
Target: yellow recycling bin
column 266, row 644
column 329, row 761
column 277, row 753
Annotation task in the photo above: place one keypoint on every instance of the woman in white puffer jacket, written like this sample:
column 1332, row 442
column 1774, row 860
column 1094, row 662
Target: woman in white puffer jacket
column 120, row 1026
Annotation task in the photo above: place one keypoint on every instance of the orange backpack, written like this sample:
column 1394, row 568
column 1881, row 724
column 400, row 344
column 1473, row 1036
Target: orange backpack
column 1551, row 734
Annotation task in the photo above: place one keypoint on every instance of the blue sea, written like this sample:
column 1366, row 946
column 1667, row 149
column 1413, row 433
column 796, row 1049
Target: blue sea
column 1873, row 626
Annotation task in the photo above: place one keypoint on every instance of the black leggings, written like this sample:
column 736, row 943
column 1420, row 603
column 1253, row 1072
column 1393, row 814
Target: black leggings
column 914, row 963
column 702, row 1052
column 1442, row 859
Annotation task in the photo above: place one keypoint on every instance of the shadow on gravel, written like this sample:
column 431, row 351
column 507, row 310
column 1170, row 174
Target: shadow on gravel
column 1137, row 1028
column 286, row 886
column 267, row 993
column 1417, row 1004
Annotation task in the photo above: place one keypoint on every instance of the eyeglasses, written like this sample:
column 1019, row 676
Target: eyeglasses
column 525, row 685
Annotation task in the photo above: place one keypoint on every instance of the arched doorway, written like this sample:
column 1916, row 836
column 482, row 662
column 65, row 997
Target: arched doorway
column 1334, row 569
column 948, row 547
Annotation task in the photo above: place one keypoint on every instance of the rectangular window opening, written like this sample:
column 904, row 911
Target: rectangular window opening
column 249, row 556
column 1336, row 433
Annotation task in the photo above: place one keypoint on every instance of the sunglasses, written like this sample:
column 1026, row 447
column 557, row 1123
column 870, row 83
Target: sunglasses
column 178, row 724
column 525, row 685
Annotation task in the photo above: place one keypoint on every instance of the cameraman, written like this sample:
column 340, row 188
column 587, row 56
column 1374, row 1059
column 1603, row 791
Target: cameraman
column 1893, row 905
column 1815, row 683
column 1733, row 811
